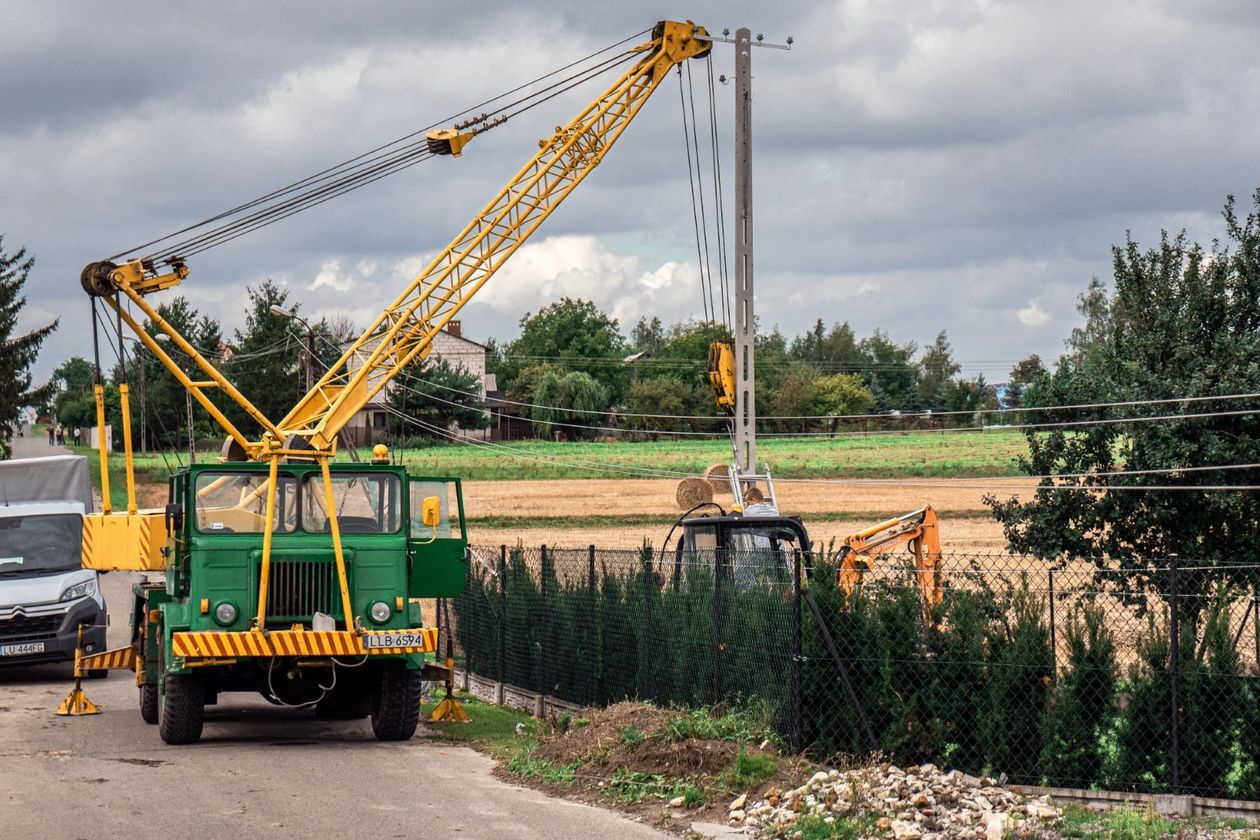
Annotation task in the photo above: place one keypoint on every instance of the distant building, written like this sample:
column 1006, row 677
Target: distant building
column 369, row 425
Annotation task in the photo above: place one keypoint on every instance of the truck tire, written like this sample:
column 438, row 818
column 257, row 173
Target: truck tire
column 97, row 673
column 183, row 709
column 395, row 702
column 149, row 701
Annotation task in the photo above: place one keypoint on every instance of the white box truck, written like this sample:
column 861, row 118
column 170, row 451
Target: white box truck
column 45, row 593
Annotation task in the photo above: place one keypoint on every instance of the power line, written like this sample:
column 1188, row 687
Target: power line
column 945, row 483
column 718, row 434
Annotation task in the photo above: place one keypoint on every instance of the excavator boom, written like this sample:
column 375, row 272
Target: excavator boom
column 919, row 530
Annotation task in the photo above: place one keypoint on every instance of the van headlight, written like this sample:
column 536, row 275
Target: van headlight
column 380, row 612
column 225, row 613
column 80, row 590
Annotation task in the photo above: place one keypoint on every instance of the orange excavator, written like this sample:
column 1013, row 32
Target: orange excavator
column 917, row 530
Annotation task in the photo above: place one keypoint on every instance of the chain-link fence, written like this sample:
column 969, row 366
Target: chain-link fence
column 1060, row 675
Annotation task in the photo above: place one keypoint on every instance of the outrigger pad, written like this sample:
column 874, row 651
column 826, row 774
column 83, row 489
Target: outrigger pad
column 76, row 703
column 449, row 711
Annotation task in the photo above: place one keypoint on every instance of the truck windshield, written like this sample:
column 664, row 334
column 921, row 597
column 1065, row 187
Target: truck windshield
column 37, row 544
column 236, row 503
column 366, row 503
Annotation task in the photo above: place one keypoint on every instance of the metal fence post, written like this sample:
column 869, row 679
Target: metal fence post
column 544, row 628
column 794, row 686
column 501, row 676
column 717, row 624
column 1054, row 637
column 592, row 630
column 649, row 583
column 1174, row 664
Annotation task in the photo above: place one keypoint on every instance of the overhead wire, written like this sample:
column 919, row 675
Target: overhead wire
column 380, row 166
column 704, row 220
column 989, row 484
column 719, row 200
column 706, row 293
column 717, row 434
column 369, row 156
column 366, row 175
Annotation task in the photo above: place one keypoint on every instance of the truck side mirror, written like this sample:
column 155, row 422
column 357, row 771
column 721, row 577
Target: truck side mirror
column 174, row 518
column 431, row 511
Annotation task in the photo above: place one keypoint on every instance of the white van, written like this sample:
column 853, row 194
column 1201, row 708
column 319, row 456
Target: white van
column 45, row 593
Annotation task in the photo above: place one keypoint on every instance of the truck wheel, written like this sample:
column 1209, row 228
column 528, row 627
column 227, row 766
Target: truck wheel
column 183, row 709
column 149, row 700
column 395, row 702
column 97, row 673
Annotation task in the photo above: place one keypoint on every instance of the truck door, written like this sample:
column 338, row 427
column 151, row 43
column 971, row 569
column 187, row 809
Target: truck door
column 438, row 557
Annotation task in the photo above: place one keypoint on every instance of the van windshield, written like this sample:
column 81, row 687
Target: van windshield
column 38, row 544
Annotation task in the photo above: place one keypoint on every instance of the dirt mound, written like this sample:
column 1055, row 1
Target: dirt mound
column 597, row 734
column 680, row 758
column 637, row 737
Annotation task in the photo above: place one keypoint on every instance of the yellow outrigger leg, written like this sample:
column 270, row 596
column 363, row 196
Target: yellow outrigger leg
column 76, row 702
column 449, row 710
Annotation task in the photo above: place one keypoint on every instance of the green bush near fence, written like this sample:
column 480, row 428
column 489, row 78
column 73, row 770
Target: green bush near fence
column 974, row 686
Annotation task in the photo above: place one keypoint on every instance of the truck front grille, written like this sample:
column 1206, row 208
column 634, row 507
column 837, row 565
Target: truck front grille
column 29, row 628
column 299, row 588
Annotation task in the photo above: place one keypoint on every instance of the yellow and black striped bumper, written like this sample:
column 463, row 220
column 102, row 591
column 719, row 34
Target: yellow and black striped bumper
column 220, row 645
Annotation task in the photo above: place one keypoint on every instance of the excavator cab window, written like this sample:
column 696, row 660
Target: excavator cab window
column 760, row 555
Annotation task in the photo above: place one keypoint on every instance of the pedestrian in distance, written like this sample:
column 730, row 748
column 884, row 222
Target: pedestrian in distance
column 78, row 436
column 51, row 432
column 61, row 435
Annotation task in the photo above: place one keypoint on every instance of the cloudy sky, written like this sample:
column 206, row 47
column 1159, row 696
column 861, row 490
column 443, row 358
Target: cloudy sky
column 919, row 165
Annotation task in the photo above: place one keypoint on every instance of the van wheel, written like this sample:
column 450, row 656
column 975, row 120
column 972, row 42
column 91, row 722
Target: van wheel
column 97, row 673
column 149, row 701
column 395, row 702
column 183, row 709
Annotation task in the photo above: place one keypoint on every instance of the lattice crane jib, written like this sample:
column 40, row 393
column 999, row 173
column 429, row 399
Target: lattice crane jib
column 405, row 329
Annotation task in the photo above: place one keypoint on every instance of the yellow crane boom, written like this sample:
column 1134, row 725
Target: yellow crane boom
column 405, row 329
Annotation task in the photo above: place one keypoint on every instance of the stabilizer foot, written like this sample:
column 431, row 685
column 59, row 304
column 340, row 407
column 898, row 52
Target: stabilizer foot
column 449, row 711
column 77, row 703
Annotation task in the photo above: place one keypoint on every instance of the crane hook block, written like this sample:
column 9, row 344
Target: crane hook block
column 448, row 141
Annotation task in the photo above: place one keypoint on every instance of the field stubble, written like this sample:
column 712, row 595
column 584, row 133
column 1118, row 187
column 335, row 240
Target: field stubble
column 576, row 512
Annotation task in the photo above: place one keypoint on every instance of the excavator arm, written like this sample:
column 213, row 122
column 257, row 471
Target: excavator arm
column 919, row 530
column 405, row 329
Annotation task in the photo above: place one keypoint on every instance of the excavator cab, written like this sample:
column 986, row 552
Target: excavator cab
column 746, row 550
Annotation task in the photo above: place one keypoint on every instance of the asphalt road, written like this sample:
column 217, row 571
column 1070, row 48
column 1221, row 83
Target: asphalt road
column 258, row 769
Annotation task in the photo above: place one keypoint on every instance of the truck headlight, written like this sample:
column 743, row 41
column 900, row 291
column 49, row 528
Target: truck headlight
column 380, row 612
column 79, row 590
column 225, row 613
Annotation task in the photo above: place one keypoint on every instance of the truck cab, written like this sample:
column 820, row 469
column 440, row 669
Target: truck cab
column 45, row 593
column 243, row 610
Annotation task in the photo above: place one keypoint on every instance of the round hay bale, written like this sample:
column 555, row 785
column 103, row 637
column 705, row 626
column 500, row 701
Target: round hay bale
column 692, row 491
column 718, row 477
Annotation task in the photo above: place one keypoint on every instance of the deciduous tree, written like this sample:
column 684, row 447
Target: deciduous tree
column 1180, row 321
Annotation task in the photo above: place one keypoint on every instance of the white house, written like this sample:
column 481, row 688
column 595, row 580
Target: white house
column 450, row 346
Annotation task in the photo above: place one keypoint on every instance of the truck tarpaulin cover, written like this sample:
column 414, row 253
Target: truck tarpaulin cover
column 57, row 478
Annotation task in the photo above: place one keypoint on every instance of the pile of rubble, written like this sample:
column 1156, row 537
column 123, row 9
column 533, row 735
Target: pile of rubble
column 918, row 802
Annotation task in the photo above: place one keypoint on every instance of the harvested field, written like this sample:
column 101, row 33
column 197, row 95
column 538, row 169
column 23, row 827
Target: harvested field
column 620, row 513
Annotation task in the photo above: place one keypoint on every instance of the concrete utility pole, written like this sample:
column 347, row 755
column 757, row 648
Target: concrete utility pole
column 745, row 323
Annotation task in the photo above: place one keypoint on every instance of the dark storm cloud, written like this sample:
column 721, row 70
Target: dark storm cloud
column 919, row 166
